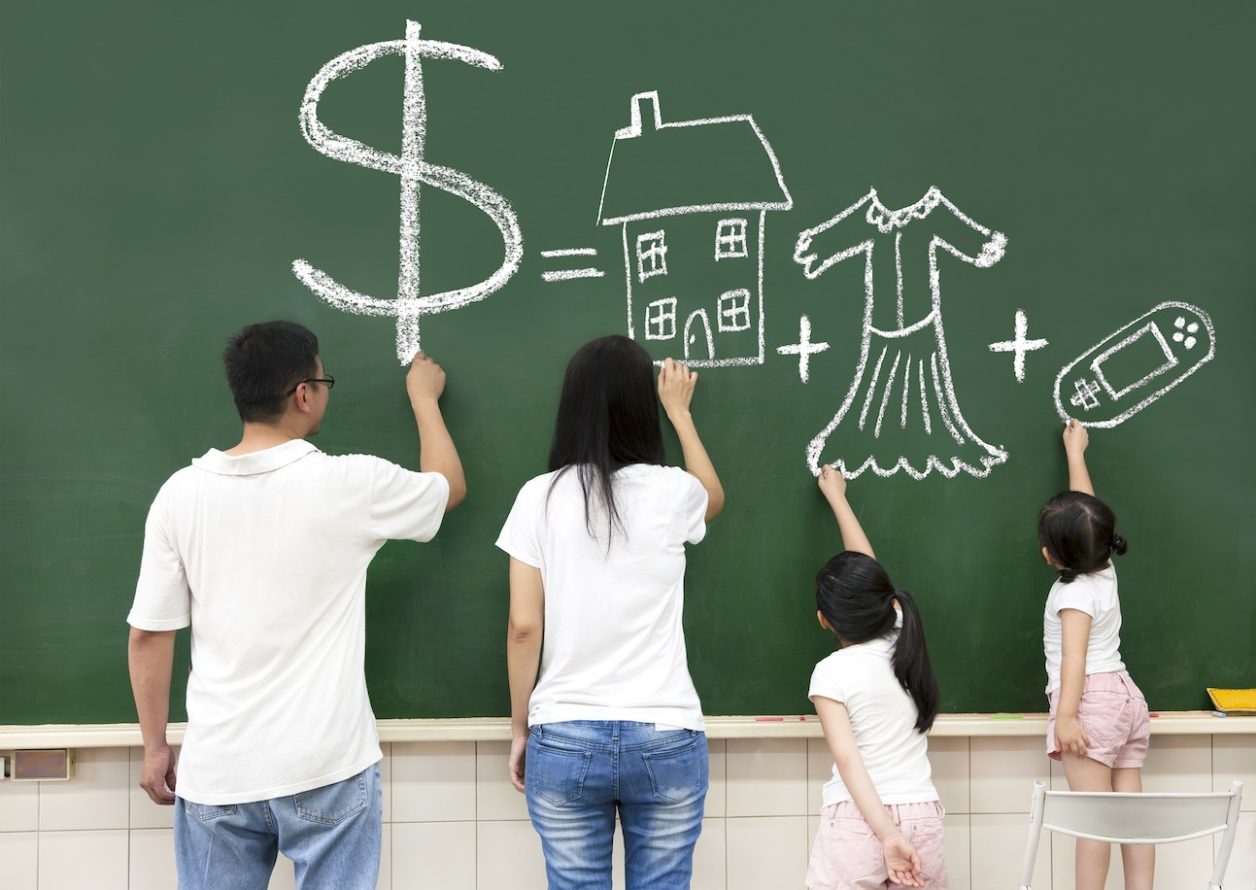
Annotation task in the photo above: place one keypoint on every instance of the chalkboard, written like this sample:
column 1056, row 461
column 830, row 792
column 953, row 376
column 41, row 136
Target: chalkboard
column 1085, row 163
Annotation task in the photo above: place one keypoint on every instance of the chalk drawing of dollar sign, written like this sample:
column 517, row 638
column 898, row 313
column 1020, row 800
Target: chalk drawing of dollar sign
column 413, row 170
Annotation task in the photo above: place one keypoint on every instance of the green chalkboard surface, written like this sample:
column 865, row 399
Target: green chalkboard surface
column 1077, row 166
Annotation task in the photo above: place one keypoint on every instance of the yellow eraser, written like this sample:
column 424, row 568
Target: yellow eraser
column 1231, row 700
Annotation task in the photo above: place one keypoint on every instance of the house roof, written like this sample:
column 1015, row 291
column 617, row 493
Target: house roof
column 664, row 169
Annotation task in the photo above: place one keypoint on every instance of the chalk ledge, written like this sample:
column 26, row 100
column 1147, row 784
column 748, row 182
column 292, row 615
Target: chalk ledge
column 488, row 729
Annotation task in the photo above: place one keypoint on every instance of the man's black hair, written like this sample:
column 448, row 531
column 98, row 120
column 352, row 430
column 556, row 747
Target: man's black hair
column 264, row 362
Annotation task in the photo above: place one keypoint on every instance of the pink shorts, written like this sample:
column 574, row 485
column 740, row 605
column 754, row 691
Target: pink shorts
column 848, row 856
column 1113, row 714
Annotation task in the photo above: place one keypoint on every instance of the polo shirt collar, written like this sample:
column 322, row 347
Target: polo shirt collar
column 255, row 462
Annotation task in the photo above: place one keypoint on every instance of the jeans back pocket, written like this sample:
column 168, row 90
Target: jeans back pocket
column 556, row 774
column 679, row 773
column 332, row 804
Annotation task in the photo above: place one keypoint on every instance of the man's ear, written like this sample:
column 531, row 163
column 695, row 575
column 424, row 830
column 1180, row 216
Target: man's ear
column 301, row 398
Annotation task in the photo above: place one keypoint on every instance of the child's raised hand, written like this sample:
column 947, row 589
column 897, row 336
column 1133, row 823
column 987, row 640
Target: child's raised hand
column 676, row 384
column 1075, row 437
column 901, row 861
column 832, row 483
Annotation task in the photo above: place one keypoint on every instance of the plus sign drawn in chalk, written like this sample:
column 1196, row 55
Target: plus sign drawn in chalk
column 413, row 171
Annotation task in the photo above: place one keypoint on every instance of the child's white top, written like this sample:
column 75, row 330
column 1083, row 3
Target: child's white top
column 1094, row 594
column 883, row 717
column 614, row 645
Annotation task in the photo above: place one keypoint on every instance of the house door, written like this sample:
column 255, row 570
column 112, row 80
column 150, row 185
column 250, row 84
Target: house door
column 699, row 345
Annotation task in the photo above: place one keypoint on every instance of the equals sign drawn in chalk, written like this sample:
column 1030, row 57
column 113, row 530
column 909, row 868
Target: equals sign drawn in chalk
column 570, row 274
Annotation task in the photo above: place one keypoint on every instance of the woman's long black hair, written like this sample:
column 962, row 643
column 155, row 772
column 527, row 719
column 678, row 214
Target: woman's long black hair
column 608, row 418
column 1079, row 532
column 855, row 596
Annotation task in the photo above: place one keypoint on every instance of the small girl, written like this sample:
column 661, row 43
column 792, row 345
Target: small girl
column 1098, row 725
column 876, row 697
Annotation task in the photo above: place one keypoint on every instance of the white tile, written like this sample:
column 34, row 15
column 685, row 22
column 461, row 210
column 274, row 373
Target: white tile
column 152, row 859
column 709, row 857
column 948, row 758
column 766, row 852
column 819, row 771
column 72, row 860
column 385, row 781
column 998, row 850
column 766, row 777
column 19, row 806
column 97, row 797
column 143, row 812
column 957, row 848
column 19, row 860
column 1179, row 763
column 433, row 781
column 1241, row 870
column 1233, row 757
column 284, row 876
column 717, row 790
column 508, row 855
column 434, row 854
column 1004, row 769
column 495, row 797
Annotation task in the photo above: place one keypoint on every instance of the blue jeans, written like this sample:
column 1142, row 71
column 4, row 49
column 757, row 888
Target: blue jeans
column 332, row 835
column 577, row 774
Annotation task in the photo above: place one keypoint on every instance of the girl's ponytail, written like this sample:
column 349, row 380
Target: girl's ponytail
column 911, row 663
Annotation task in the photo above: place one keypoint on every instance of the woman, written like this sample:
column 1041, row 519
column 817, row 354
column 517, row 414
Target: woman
column 597, row 564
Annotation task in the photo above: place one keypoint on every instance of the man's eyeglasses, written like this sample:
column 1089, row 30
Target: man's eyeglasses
column 329, row 380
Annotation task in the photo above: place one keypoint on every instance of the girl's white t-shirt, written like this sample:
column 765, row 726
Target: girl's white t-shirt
column 883, row 718
column 614, row 645
column 1095, row 594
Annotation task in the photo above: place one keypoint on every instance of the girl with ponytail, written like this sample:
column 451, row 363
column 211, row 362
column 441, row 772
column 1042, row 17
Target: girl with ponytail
column 1098, row 725
column 876, row 697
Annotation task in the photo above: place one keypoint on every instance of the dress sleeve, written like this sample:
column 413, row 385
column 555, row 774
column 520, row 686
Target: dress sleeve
column 163, row 600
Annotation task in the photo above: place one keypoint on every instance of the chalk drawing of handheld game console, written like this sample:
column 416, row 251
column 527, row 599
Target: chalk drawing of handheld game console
column 1134, row 366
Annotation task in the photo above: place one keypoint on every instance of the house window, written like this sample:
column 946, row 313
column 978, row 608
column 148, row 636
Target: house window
column 651, row 255
column 730, row 238
column 735, row 310
column 660, row 319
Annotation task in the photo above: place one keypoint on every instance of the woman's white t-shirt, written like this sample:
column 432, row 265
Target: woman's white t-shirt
column 883, row 718
column 614, row 645
column 1095, row 594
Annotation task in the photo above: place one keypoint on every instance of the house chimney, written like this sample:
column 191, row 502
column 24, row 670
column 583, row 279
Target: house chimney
column 645, row 115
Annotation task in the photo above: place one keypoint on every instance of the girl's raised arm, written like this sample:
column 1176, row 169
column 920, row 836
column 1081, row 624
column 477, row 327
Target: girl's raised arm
column 676, row 385
column 833, row 484
column 1075, row 441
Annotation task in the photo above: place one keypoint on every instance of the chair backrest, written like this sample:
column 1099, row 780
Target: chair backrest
column 1136, row 818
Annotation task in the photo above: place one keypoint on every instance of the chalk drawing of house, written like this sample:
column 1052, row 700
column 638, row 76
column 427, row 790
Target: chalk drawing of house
column 692, row 198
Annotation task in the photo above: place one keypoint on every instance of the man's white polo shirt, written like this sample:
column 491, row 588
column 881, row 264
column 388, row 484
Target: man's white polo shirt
column 265, row 555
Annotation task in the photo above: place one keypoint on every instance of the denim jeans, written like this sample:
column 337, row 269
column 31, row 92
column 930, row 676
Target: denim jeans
column 578, row 773
column 332, row 835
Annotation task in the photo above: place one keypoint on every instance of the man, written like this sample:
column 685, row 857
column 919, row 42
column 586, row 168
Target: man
column 263, row 550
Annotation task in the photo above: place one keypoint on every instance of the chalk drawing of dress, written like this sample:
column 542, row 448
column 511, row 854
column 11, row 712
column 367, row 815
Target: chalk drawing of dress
column 901, row 412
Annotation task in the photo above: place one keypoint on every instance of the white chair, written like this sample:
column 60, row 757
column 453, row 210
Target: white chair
column 1134, row 818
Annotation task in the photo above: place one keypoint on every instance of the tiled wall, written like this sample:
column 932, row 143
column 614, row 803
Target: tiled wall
column 453, row 822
